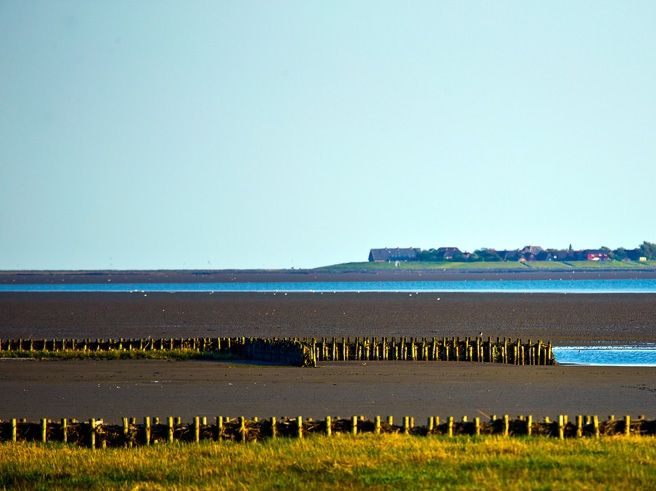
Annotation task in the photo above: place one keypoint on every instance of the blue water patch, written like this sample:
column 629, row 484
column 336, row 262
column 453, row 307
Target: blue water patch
column 491, row 286
column 629, row 356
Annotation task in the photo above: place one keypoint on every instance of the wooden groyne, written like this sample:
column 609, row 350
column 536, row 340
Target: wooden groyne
column 476, row 349
column 284, row 351
column 309, row 351
column 94, row 433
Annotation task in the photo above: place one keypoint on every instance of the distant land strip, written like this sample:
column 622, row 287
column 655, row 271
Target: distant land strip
column 361, row 271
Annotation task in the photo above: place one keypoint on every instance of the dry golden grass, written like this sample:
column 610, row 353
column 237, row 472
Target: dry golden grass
column 344, row 462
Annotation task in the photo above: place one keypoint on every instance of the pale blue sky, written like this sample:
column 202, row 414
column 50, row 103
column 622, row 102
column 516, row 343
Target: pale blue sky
column 157, row 134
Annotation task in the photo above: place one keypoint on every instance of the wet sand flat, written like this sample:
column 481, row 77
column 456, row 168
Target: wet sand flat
column 112, row 389
column 561, row 318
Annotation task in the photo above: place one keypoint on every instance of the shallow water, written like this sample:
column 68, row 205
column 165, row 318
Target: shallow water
column 630, row 356
column 491, row 286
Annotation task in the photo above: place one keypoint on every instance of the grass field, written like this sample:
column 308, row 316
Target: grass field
column 388, row 462
column 486, row 266
column 421, row 265
column 607, row 264
column 547, row 265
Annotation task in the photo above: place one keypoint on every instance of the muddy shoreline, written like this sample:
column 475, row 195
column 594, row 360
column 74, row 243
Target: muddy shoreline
column 580, row 319
column 112, row 389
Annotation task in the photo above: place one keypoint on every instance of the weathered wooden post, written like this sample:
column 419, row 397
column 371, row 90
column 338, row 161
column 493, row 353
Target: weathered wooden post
column 126, row 431
column 14, row 429
column 147, row 430
column 430, row 424
column 329, row 426
column 627, row 425
column 579, row 426
column 377, row 425
column 219, row 428
column 299, row 426
column 64, row 430
column 44, row 430
column 390, row 420
column 561, row 427
column 196, row 429
column 506, row 425
column 170, row 429
column 529, row 425
column 92, row 433
column 406, row 425
column 595, row 425
column 449, row 425
column 477, row 426
column 243, row 431
column 354, row 425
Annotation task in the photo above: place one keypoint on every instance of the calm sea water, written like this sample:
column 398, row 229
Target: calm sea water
column 508, row 286
column 633, row 356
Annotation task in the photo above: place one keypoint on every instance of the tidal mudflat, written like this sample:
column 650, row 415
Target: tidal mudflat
column 112, row 389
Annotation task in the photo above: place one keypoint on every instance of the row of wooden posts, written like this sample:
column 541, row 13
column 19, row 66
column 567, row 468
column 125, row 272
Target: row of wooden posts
column 95, row 434
column 476, row 349
column 309, row 351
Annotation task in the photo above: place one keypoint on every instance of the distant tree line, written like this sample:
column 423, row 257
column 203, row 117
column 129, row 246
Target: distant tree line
column 537, row 253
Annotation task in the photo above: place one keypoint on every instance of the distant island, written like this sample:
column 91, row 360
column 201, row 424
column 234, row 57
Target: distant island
column 644, row 253
column 393, row 264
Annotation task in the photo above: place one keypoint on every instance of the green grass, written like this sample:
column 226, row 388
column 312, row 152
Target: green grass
column 178, row 354
column 547, row 265
column 482, row 265
column 606, row 264
column 421, row 266
column 364, row 462
column 488, row 265
column 371, row 266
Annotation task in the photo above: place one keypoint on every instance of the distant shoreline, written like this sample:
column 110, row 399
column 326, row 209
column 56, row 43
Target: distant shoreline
column 315, row 275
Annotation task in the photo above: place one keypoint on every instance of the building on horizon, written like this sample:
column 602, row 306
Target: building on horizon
column 448, row 253
column 397, row 254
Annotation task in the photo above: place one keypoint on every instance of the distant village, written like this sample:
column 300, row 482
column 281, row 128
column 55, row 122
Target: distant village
column 646, row 252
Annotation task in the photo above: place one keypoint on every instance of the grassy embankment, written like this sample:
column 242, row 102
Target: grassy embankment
column 177, row 354
column 491, row 265
column 388, row 462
